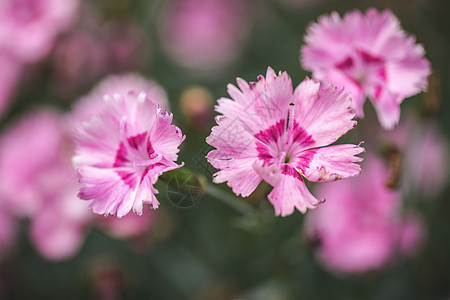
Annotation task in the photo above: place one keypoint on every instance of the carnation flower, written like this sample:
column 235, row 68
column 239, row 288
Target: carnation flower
column 28, row 27
column 205, row 34
column 371, row 56
column 24, row 176
column 415, row 138
column 362, row 227
column 59, row 228
column 43, row 187
column 121, row 152
column 270, row 132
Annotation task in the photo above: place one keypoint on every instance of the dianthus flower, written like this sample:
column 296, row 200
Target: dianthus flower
column 362, row 229
column 371, row 56
column 29, row 27
column 121, row 152
column 270, row 132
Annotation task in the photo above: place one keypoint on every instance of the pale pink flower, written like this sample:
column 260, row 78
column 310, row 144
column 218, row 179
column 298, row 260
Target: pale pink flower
column 28, row 149
column 59, row 228
column 127, row 44
column 29, row 27
column 430, row 173
column 121, row 152
column 361, row 228
column 415, row 139
column 92, row 104
column 78, row 58
column 270, row 132
column 38, row 181
column 205, row 34
column 371, row 56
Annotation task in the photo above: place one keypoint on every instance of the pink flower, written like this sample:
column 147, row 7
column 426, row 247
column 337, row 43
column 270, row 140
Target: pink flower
column 28, row 27
column 23, row 174
column 269, row 132
column 128, row 45
column 38, row 181
column 428, row 175
column 78, row 58
column 370, row 55
column 92, row 104
column 121, row 153
column 205, row 34
column 361, row 228
column 59, row 228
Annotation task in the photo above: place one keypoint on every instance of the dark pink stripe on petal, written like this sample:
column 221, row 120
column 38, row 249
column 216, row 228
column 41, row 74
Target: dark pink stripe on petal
column 273, row 133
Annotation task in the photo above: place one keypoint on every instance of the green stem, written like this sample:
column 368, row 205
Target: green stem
column 234, row 202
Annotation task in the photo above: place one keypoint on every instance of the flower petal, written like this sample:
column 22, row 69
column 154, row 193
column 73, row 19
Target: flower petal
column 323, row 112
column 331, row 163
column 290, row 193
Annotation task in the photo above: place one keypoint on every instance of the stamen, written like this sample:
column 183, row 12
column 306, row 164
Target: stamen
column 290, row 123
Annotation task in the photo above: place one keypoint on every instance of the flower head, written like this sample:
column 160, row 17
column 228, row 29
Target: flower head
column 43, row 187
column 270, row 132
column 30, row 26
column 205, row 34
column 121, row 152
column 362, row 228
column 371, row 56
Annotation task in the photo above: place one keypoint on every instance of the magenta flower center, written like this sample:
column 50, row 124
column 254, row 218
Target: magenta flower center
column 135, row 157
column 283, row 146
column 363, row 68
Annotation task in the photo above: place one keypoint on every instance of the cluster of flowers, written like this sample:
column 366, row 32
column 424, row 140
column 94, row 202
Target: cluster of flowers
column 33, row 26
column 39, row 182
column 267, row 131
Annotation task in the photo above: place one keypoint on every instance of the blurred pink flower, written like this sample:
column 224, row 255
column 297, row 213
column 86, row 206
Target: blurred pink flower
column 79, row 58
column 414, row 138
column 121, row 152
column 29, row 27
column 38, row 181
column 129, row 226
column 205, row 34
column 370, row 55
column 92, row 104
column 9, row 78
column 127, row 44
column 361, row 227
column 28, row 149
column 59, row 228
column 270, row 132
column 429, row 174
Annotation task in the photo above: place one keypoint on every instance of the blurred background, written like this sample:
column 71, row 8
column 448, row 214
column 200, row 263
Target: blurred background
column 204, row 242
